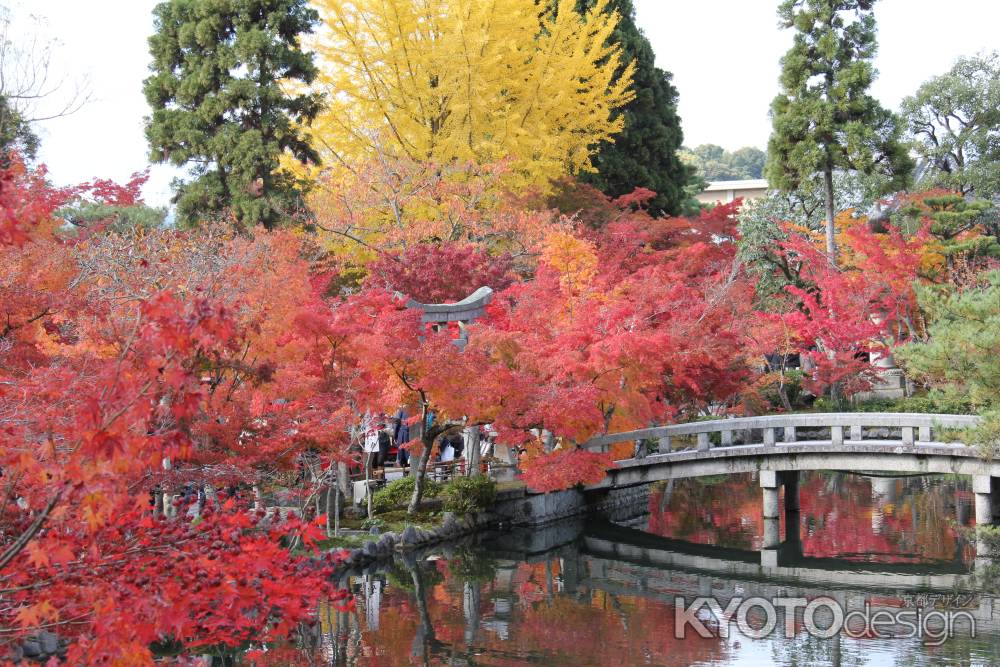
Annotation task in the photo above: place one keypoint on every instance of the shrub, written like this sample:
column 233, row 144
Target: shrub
column 986, row 439
column 399, row 491
column 940, row 401
column 936, row 401
column 465, row 495
column 373, row 522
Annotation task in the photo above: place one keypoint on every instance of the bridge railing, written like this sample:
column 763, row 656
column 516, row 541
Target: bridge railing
column 778, row 430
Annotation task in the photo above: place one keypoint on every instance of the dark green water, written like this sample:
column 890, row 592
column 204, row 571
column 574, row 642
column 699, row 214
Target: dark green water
column 605, row 594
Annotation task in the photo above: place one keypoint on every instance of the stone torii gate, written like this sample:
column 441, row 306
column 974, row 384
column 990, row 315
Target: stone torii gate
column 463, row 313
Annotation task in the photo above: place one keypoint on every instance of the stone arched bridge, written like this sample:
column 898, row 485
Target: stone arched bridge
column 778, row 447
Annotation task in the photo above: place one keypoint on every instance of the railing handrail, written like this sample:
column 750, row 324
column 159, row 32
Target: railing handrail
column 804, row 420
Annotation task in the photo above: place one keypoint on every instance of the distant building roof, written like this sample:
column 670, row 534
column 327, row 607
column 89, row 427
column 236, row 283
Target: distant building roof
column 745, row 184
column 727, row 191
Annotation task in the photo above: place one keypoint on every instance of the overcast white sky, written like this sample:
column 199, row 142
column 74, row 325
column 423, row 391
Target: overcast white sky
column 723, row 54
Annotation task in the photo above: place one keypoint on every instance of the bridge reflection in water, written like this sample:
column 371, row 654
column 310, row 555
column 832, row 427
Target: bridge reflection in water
column 780, row 447
column 603, row 593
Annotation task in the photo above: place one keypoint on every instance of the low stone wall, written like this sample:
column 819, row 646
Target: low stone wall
column 412, row 538
column 622, row 505
column 522, row 508
column 538, row 509
column 513, row 508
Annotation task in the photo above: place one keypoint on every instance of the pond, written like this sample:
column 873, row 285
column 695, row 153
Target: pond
column 597, row 593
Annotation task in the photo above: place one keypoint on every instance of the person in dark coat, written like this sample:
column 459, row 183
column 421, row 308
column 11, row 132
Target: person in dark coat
column 401, row 434
column 384, row 444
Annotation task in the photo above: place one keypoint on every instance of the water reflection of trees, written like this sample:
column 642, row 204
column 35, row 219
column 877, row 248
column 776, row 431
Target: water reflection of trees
column 472, row 609
column 524, row 614
column 848, row 516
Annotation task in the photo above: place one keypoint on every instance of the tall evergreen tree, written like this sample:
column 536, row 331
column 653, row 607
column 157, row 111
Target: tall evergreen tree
column 644, row 153
column 954, row 121
column 824, row 119
column 222, row 72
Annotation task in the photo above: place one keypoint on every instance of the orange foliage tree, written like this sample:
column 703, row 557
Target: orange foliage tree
column 109, row 367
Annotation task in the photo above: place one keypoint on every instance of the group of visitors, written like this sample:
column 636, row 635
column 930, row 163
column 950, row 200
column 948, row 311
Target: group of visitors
column 382, row 437
column 385, row 437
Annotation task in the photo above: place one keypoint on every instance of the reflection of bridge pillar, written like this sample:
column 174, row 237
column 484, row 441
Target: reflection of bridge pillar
column 569, row 565
column 884, row 488
column 772, row 533
column 983, row 486
column 769, row 484
column 793, row 535
column 790, row 478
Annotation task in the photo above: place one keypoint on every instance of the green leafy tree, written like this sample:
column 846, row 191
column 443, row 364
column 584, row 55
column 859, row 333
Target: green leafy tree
column 119, row 219
column 225, row 100
column 644, row 154
column 824, row 119
column 954, row 122
column 748, row 162
column 714, row 163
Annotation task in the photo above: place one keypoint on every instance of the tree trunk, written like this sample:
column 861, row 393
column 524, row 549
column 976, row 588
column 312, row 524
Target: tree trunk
column 420, row 472
column 831, row 230
column 425, row 631
column 472, row 451
column 336, row 512
column 329, row 489
column 368, row 483
column 344, row 482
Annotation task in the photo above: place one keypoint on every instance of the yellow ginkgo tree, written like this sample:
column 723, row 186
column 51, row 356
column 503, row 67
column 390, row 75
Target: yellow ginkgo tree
column 445, row 81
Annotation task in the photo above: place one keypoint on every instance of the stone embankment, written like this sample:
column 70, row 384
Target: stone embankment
column 513, row 508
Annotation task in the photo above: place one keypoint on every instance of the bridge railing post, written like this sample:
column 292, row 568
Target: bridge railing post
column 837, row 435
column 857, row 432
column 704, row 444
column 924, row 434
column 789, row 434
column 769, row 437
column 908, row 435
column 663, row 444
column 727, row 438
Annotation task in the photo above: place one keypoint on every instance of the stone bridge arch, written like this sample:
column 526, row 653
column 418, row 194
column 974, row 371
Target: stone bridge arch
column 850, row 442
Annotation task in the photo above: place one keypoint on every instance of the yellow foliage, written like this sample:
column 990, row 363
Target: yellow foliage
column 932, row 259
column 575, row 260
column 842, row 221
column 393, row 204
column 445, row 81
